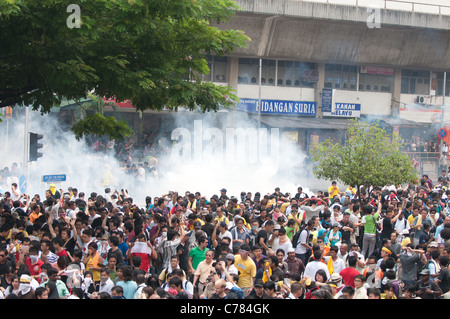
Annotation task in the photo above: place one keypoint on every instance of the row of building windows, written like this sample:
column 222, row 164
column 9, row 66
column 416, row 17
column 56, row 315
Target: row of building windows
column 337, row 76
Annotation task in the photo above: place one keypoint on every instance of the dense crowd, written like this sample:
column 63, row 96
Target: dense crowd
column 386, row 242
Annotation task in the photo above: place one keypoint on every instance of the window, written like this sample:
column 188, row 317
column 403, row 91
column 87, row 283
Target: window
column 415, row 82
column 249, row 71
column 218, row 69
column 440, row 83
column 375, row 82
column 287, row 73
column 338, row 76
column 296, row 74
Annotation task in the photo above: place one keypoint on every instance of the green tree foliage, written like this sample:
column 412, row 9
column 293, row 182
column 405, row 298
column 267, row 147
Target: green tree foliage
column 370, row 156
column 90, row 119
column 150, row 52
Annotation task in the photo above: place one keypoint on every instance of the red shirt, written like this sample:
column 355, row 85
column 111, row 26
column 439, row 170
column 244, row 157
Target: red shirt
column 35, row 269
column 145, row 261
column 62, row 253
column 348, row 276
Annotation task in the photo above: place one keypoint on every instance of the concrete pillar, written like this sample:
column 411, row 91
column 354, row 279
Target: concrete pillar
column 396, row 92
column 233, row 72
column 318, row 89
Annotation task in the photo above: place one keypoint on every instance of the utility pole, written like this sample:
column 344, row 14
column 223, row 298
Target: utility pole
column 26, row 144
column 441, row 143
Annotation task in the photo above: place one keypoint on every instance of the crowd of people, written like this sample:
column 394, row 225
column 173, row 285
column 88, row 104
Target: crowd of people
column 381, row 242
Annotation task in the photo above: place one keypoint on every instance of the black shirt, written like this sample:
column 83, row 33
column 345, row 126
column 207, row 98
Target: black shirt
column 388, row 228
column 265, row 235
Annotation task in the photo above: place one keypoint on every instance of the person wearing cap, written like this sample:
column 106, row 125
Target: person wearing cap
column 258, row 290
column 223, row 195
column 426, row 288
column 26, row 291
column 294, row 264
column 335, row 282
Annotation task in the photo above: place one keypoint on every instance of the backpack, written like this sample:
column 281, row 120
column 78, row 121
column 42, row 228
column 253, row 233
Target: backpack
column 296, row 237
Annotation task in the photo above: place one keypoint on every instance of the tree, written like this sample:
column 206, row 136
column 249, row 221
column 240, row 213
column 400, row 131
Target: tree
column 151, row 52
column 90, row 118
column 370, row 156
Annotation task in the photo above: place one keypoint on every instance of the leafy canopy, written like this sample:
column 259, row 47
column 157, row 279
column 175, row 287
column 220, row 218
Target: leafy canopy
column 150, row 52
column 370, row 156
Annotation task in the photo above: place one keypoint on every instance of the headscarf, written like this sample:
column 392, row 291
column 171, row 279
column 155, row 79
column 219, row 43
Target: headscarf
column 53, row 189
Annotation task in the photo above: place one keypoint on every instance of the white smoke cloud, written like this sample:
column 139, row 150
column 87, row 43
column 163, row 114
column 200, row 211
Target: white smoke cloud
column 62, row 154
column 205, row 161
column 247, row 167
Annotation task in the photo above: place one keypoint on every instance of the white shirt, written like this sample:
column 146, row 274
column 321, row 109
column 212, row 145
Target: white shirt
column 312, row 267
column 303, row 238
column 360, row 293
column 286, row 246
column 338, row 264
column 106, row 287
column 227, row 233
column 401, row 224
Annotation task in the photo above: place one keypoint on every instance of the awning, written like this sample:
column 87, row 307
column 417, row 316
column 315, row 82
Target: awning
column 68, row 105
column 303, row 122
column 392, row 121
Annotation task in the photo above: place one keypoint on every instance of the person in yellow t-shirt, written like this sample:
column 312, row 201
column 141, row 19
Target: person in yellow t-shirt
column 220, row 216
column 333, row 190
column 247, row 269
column 413, row 216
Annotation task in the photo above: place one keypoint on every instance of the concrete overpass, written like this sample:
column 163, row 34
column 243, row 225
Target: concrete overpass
column 409, row 34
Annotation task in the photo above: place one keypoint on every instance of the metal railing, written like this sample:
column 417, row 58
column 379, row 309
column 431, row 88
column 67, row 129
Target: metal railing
column 421, row 6
column 425, row 163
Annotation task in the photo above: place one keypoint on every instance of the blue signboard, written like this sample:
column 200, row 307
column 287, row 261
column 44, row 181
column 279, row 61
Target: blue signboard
column 327, row 100
column 345, row 110
column 54, row 178
column 278, row 107
column 23, row 184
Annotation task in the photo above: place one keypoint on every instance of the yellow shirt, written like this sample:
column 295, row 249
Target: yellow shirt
column 406, row 242
column 410, row 219
column 247, row 271
column 93, row 262
column 333, row 192
column 352, row 190
column 222, row 219
column 284, row 206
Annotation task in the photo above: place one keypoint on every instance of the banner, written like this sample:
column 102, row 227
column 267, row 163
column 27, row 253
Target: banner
column 278, row 107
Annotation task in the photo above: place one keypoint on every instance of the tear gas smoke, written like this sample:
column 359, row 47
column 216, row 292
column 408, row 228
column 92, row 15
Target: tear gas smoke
column 238, row 156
